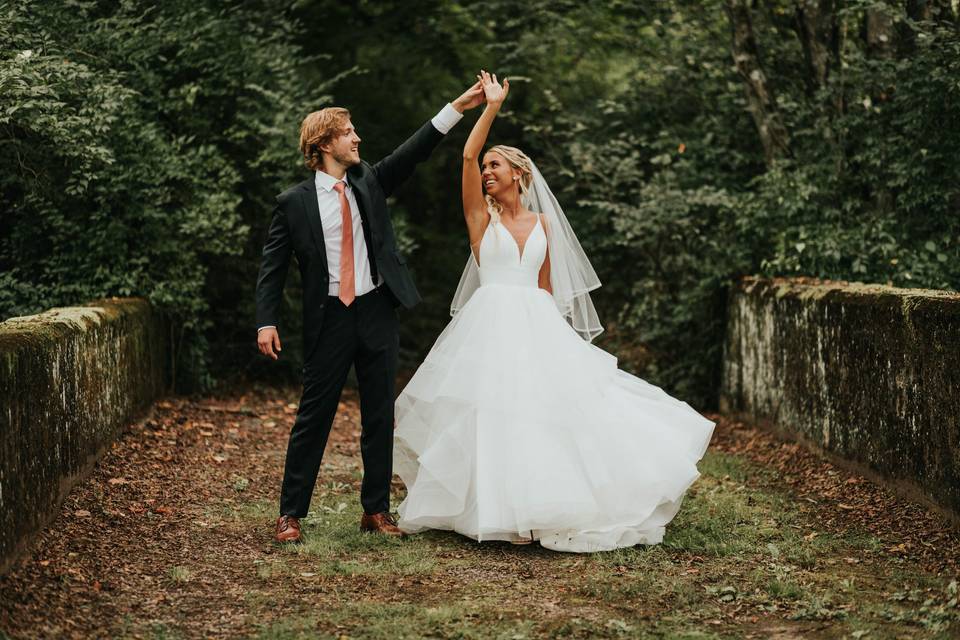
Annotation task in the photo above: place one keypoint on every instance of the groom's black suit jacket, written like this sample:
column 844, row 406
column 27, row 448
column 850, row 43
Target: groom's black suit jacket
column 296, row 228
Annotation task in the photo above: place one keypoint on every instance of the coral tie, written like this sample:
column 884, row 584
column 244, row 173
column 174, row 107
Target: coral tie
column 347, row 287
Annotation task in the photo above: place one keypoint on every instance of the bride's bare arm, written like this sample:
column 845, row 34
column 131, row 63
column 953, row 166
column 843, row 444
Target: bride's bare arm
column 474, row 205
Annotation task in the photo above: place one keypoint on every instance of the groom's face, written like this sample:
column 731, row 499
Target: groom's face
column 345, row 148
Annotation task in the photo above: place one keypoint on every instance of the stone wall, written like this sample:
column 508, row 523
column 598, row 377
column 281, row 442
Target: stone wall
column 869, row 373
column 69, row 379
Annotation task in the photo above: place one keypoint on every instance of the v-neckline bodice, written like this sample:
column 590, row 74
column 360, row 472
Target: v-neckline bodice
column 522, row 248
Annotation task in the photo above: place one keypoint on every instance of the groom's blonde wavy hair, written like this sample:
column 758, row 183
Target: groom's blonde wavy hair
column 319, row 128
column 518, row 160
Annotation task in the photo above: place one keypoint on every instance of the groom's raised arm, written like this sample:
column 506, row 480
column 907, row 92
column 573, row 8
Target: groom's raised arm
column 399, row 165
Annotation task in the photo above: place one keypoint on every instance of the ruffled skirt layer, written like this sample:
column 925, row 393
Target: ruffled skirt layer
column 513, row 424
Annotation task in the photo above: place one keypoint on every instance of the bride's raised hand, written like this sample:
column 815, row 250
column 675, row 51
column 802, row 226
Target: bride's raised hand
column 494, row 92
column 471, row 98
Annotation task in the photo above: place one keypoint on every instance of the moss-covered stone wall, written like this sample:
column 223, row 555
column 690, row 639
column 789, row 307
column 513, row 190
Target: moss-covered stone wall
column 69, row 379
column 867, row 372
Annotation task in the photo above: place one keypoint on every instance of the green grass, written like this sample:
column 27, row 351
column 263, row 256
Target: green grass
column 334, row 544
column 164, row 632
column 784, row 589
column 179, row 574
column 378, row 620
column 721, row 516
column 464, row 621
column 740, row 556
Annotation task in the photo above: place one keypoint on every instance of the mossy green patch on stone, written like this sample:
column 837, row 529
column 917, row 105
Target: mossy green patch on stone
column 868, row 372
column 69, row 378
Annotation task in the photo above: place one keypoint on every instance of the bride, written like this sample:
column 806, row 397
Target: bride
column 515, row 427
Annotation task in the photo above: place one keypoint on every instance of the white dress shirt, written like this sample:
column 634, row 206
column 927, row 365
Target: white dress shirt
column 331, row 219
column 329, row 202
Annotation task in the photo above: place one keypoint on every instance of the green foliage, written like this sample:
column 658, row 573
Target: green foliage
column 138, row 143
column 666, row 160
column 872, row 193
column 664, row 177
column 143, row 145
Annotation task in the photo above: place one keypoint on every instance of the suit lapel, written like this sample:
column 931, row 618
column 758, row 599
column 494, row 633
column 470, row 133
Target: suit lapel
column 371, row 233
column 312, row 210
column 362, row 194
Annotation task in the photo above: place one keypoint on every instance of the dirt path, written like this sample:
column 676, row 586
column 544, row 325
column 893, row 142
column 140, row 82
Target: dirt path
column 170, row 538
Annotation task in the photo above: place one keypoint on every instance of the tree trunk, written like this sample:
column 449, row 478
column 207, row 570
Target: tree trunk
column 924, row 11
column 760, row 100
column 878, row 32
column 819, row 32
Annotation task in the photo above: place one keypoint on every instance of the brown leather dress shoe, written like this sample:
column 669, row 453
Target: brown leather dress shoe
column 288, row 530
column 383, row 523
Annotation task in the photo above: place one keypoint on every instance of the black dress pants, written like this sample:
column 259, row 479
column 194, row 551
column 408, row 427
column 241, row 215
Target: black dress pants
column 364, row 335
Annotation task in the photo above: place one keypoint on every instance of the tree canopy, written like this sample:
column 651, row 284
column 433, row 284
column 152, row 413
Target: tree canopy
column 689, row 142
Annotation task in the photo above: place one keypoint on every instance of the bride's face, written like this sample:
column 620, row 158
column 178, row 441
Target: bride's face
column 497, row 174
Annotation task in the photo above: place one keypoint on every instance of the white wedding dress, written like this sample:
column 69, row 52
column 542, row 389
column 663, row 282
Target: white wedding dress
column 514, row 424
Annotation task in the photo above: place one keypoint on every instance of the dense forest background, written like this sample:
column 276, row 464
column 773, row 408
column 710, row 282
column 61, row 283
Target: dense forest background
column 141, row 145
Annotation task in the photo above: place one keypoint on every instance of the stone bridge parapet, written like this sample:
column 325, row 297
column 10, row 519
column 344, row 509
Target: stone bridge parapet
column 868, row 373
column 69, row 379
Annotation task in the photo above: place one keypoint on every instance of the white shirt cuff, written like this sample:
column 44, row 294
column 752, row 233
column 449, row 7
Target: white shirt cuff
column 445, row 120
column 269, row 326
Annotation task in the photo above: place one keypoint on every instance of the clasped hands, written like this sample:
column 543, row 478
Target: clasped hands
column 485, row 89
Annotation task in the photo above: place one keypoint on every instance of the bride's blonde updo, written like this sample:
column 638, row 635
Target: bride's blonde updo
column 518, row 160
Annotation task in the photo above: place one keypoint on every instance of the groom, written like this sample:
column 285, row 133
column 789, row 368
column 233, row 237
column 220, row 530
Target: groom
column 338, row 226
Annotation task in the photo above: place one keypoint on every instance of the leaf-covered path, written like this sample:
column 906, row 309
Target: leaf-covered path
column 171, row 538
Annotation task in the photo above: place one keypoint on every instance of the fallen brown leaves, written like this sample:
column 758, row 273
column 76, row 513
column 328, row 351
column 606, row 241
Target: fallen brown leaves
column 149, row 508
column 147, row 542
column 844, row 501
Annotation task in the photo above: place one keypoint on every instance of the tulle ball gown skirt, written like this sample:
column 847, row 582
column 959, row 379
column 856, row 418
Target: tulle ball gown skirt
column 514, row 424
